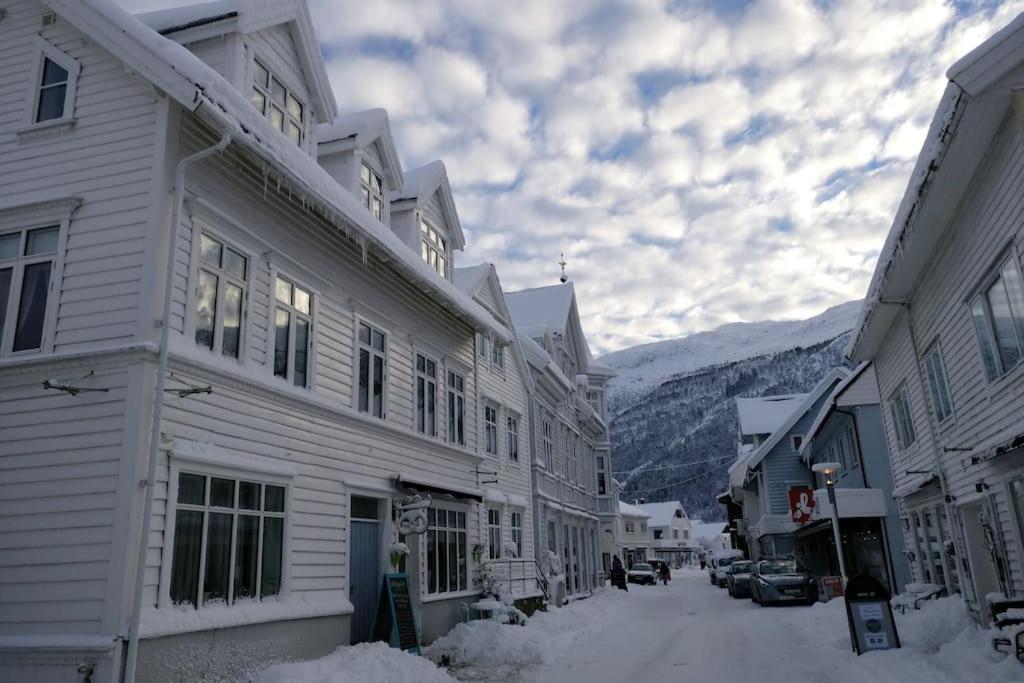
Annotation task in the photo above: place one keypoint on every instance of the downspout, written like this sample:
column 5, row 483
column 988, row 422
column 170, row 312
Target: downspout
column 131, row 661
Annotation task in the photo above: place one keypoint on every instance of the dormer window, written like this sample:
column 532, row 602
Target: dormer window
column 52, row 100
column 373, row 191
column 434, row 249
column 272, row 99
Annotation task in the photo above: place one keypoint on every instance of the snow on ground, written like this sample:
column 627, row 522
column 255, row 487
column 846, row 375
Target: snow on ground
column 691, row 630
column 365, row 663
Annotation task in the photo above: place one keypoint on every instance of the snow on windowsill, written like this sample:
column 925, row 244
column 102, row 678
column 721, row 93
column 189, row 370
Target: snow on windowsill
column 441, row 597
column 169, row 621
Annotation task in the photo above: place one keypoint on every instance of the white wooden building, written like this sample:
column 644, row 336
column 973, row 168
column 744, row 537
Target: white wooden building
column 671, row 532
column 943, row 322
column 634, row 535
column 574, row 501
column 222, row 362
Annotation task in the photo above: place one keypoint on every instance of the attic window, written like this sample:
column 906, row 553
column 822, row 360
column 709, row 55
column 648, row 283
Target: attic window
column 53, row 99
column 373, row 190
column 272, row 99
column 434, row 248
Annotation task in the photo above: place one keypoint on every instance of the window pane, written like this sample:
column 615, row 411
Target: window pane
column 188, row 538
column 378, row 386
column 364, row 174
column 222, row 492
column 281, row 326
column 301, row 351
column 294, row 107
column 378, row 340
column 42, row 241
column 1015, row 292
column 1003, row 325
column 9, row 246
column 364, row 381
column 442, row 562
column 260, row 74
column 192, row 489
column 232, row 320
column 218, row 555
column 234, row 263
column 246, row 556
column 259, row 101
column 463, row 571
column 209, row 250
column 431, row 561
column 431, row 409
column 53, row 73
column 206, row 302
column 294, row 133
column 301, row 300
column 453, row 561
column 35, row 285
column 248, row 495
column 277, row 118
column 420, row 407
column 5, row 293
column 376, row 210
column 364, row 334
column 51, row 103
column 273, row 534
column 277, row 90
column 274, row 499
column 366, row 197
column 988, row 356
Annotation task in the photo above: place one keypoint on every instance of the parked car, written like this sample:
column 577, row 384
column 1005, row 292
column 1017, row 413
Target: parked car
column 720, row 561
column 737, row 578
column 642, row 573
column 782, row 580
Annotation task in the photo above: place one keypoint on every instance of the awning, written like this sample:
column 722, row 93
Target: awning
column 1002, row 443
column 914, row 484
column 403, row 483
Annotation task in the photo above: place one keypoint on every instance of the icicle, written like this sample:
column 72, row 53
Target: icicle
column 365, row 248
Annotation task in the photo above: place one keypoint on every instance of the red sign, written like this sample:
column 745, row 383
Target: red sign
column 801, row 504
column 833, row 586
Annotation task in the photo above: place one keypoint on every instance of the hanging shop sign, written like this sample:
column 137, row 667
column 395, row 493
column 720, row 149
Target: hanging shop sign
column 869, row 615
column 801, row 504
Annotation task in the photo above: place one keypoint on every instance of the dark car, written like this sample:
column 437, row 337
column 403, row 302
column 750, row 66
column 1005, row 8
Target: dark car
column 782, row 580
column 737, row 578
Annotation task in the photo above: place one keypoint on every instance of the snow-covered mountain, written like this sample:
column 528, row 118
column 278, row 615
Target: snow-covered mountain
column 673, row 424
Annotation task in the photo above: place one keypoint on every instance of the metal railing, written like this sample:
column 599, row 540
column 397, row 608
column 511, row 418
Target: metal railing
column 513, row 573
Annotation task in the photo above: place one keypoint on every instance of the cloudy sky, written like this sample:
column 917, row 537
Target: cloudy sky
column 697, row 162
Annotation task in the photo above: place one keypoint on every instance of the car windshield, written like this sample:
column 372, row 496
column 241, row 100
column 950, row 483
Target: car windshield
column 641, row 567
column 742, row 567
column 781, row 567
column 724, row 561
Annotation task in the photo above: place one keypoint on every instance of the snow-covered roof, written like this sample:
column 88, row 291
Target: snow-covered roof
column 914, row 483
column 834, row 375
column 541, row 309
column 765, row 414
column 662, row 514
column 470, row 278
column 198, row 87
column 364, row 128
column 970, row 113
column 826, row 409
column 628, row 510
column 708, row 531
column 420, row 183
column 251, row 16
column 540, row 359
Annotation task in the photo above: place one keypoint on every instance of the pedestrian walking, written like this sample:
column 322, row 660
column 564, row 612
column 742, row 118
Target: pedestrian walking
column 618, row 574
column 666, row 574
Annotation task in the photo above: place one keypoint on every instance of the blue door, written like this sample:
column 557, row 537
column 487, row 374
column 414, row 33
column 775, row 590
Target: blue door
column 364, row 576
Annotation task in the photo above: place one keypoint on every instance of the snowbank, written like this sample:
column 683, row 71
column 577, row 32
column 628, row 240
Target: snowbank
column 365, row 663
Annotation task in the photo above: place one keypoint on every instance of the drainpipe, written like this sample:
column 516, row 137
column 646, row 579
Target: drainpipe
column 158, row 407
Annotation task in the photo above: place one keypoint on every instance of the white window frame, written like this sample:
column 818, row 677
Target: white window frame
column 938, row 384
column 512, row 437
column 497, row 356
column 548, row 441
column 516, row 530
column 217, row 462
column 287, row 116
column 295, row 314
column 900, row 408
column 494, row 533
column 452, row 396
column 369, row 192
column 23, row 219
column 358, row 346
column 43, row 49
column 491, row 429
column 436, row 506
column 429, row 247
column 423, row 377
column 200, row 228
column 985, row 330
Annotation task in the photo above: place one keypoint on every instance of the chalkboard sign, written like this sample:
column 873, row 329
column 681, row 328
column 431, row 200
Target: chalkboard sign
column 394, row 620
column 869, row 615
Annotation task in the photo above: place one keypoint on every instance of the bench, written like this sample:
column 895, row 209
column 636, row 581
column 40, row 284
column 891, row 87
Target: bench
column 1007, row 614
column 917, row 594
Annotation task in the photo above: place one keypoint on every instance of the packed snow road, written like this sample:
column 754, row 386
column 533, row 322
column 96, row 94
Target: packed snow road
column 692, row 631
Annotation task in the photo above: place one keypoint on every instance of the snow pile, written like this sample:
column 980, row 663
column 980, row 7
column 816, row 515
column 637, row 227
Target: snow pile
column 365, row 663
column 546, row 636
column 176, row 619
column 935, row 624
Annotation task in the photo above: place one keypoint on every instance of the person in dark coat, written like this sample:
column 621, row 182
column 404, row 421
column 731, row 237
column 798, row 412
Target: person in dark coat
column 666, row 574
column 618, row 574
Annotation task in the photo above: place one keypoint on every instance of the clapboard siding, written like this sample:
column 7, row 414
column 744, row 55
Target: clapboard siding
column 987, row 224
column 60, row 459
column 105, row 159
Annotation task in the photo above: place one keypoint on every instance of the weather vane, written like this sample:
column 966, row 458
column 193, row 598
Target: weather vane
column 561, row 262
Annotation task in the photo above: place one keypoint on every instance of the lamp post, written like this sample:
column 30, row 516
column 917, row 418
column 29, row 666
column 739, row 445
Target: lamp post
column 829, row 469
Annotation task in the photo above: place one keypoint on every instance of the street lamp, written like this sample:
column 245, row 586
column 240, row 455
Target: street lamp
column 829, row 469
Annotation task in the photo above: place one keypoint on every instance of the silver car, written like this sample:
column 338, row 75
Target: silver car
column 737, row 578
column 782, row 580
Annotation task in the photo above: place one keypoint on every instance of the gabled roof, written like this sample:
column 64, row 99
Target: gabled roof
column 826, row 409
column 470, row 278
column 628, row 510
column 536, row 356
column 834, row 375
column 765, row 414
column 360, row 130
column 542, row 309
column 252, row 16
column 200, row 89
column 974, row 105
column 420, row 184
column 662, row 514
